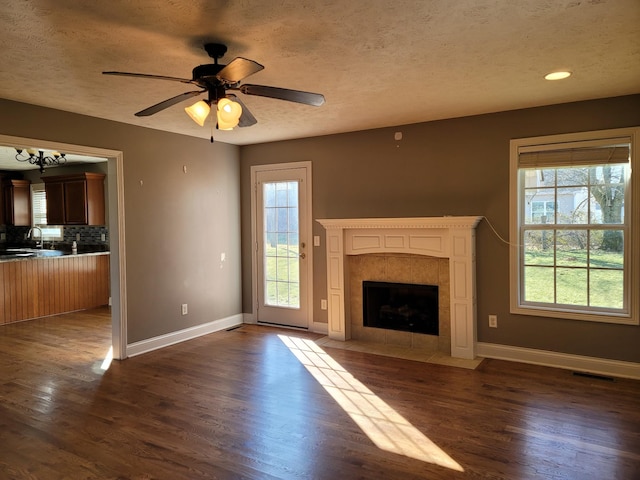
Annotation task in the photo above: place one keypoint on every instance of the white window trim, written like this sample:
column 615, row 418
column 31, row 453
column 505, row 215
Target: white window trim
column 549, row 143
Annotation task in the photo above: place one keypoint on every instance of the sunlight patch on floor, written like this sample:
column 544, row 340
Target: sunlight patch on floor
column 387, row 429
column 106, row 363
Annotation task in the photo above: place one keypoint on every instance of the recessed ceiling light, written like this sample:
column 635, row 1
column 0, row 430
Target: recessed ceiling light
column 557, row 75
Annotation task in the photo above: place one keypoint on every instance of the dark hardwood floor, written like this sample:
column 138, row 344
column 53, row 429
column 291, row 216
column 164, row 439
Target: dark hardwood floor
column 264, row 403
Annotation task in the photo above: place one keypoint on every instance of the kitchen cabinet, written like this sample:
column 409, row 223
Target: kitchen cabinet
column 16, row 202
column 76, row 199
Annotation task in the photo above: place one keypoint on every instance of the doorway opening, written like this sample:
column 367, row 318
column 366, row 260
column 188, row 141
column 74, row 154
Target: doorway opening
column 115, row 204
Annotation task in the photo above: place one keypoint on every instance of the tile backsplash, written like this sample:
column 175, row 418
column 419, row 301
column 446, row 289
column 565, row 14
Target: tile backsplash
column 11, row 235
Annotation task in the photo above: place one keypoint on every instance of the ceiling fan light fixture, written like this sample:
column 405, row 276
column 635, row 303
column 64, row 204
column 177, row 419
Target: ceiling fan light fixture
column 199, row 112
column 229, row 113
column 559, row 75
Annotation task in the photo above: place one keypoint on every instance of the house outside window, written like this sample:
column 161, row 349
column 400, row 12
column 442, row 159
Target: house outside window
column 574, row 238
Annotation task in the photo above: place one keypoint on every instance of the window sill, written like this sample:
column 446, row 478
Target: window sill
column 620, row 319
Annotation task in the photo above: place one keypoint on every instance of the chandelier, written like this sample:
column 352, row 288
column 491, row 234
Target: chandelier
column 37, row 157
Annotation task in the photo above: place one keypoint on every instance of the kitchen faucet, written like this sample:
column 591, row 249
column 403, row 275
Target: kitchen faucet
column 29, row 235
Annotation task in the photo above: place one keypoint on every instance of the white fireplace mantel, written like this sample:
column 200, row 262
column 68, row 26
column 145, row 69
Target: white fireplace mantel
column 444, row 237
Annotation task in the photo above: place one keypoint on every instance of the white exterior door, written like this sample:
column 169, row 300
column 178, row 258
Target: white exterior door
column 282, row 201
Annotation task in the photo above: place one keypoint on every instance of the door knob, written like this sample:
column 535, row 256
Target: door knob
column 303, row 255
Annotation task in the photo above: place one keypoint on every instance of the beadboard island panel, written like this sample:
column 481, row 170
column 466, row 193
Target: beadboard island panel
column 33, row 288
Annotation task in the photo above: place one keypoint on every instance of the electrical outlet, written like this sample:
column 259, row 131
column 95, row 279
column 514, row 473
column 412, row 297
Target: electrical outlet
column 493, row 321
column 103, row 237
column 323, row 304
column 77, row 237
column 185, row 310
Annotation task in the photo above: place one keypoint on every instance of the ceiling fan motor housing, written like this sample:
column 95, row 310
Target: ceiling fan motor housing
column 207, row 74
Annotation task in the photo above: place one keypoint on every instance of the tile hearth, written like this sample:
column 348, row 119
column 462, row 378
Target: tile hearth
column 397, row 351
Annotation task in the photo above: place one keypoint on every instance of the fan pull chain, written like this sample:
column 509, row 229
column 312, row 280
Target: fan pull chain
column 211, row 117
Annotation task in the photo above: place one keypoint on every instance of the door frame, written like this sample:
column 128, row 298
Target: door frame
column 254, row 234
column 115, row 195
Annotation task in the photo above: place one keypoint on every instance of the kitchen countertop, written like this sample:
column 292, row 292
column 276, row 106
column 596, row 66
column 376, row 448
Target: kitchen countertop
column 19, row 254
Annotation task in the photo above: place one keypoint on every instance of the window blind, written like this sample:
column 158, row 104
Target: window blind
column 39, row 204
column 570, row 157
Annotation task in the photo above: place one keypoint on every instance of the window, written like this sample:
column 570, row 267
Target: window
column 39, row 215
column 38, row 204
column 573, row 235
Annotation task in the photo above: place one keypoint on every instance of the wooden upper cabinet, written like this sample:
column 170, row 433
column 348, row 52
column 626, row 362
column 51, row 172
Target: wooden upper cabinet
column 75, row 199
column 55, row 203
column 16, row 202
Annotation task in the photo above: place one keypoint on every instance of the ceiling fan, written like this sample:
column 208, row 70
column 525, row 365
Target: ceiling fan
column 217, row 81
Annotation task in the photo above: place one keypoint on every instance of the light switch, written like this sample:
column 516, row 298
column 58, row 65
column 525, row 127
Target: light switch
column 316, row 240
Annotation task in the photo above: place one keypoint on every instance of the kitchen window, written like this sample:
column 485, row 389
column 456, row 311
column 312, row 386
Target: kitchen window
column 573, row 235
column 39, row 215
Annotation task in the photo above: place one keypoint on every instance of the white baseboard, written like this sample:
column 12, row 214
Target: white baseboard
column 600, row 366
column 172, row 338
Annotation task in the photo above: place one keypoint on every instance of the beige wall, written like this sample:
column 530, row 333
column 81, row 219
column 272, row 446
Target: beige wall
column 449, row 167
column 177, row 225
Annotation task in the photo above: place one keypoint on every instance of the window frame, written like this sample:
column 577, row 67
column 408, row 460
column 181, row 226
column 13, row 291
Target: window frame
column 630, row 314
column 50, row 233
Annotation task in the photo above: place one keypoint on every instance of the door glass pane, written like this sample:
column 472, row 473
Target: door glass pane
column 281, row 248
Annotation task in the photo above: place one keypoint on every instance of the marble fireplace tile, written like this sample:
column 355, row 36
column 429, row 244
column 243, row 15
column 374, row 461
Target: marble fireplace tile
column 444, row 345
column 428, row 343
column 401, row 268
column 443, row 272
column 374, row 335
column 398, row 338
column 444, row 316
column 425, row 271
column 398, row 269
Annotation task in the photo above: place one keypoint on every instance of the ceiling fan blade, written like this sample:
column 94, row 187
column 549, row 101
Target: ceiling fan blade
column 238, row 69
column 168, row 103
column 246, row 119
column 298, row 96
column 144, row 75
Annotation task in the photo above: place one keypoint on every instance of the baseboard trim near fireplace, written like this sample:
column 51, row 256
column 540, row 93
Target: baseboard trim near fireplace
column 600, row 366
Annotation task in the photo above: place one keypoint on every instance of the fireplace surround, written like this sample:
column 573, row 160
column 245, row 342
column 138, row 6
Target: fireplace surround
column 442, row 237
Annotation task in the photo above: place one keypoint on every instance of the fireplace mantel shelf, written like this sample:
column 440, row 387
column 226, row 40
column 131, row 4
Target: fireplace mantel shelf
column 451, row 237
column 410, row 222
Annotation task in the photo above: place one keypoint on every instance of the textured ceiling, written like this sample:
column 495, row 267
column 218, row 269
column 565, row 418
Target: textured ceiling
column 378, row 62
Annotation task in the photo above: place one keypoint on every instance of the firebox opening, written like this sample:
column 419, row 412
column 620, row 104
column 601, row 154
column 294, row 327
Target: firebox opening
column 400, row 306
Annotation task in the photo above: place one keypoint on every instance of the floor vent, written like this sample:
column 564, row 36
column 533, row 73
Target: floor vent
column 593, row 376
column 233, row 328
